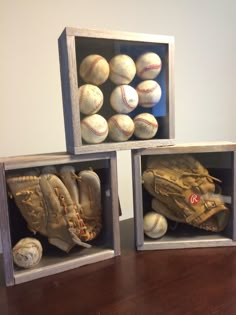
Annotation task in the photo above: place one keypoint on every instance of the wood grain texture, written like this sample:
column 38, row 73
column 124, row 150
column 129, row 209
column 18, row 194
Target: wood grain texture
column 5, row 230
column 198, row 147
column 26, row 161
column 137, row 199
column 171, row 90
column 234, row 196
column 48, row 267
column 174, row 282
column 115, row 204
column 117, row 146
column 118, row 35
column 69, row 85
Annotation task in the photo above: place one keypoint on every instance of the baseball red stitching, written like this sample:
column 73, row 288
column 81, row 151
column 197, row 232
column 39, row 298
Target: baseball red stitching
column 81, row 100
column 146, row 121
column 154, row 224
column 119, row 75
column 142, row 90
column 97, row 59
column 125, row 132
column 150, row 67
column 95, row 109
column 124, row 97
column 98, row 133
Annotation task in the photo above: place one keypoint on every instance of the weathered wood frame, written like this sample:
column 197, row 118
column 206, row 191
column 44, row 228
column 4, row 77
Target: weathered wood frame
column 214, row 240
column 69, row 82
column 51, row 265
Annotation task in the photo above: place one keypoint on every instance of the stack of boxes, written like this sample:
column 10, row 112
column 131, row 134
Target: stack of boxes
column 74, row 46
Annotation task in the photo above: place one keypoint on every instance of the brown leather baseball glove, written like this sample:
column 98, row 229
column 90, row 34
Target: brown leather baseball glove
column 51, row 205
column 184, row 191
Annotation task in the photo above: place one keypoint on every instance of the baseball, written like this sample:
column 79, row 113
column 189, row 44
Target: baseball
column 90, row 99
column 148, row 66
column 94, row 129
column 149, row 93
column 94, row 69
column 145, row 126
column 154, row 224
column 121, row 127
column 122, row 69
column 124, row 99
column 27, row 253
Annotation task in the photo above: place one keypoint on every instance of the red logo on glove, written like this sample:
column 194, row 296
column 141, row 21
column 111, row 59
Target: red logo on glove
column 194, row 198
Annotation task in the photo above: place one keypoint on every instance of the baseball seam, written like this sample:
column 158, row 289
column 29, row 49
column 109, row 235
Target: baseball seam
column 90, row 69
column 150, row 67
column 146, row 122
column 142, row 90
column 121, row 75
column 125, row 132
column 98, row 133
column 82, row 98
column 124, row 98
column 154, row 224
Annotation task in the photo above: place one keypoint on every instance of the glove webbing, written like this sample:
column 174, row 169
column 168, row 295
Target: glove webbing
column 72, row 223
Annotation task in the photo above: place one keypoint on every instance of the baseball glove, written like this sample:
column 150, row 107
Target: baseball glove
column 184, row 191
column 85, row 191
column 49, row 205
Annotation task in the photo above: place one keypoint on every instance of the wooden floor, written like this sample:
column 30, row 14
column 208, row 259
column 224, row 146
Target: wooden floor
column 186, row 282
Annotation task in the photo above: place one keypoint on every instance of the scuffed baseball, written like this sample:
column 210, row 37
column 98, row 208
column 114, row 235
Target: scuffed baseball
column 148, row 66
column 27, row 253
column 122, row 69
column 121, row 127
column 94, row 129
column 90, row 99
column 94, row 69
column 124, row 99
column 149, row 93
column 145, row 126
column 154, row 224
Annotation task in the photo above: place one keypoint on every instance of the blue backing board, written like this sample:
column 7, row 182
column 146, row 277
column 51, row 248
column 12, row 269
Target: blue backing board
column 134, row 51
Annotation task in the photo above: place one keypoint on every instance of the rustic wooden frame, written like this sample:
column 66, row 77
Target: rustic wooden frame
column 53, row 265
column 203, row 239
column 69, row 81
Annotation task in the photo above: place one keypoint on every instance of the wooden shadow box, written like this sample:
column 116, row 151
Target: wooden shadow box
column 75, row 45
column 13, row 227
column 220, row 160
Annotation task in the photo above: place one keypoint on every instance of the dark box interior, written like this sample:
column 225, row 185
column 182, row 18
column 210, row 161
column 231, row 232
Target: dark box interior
column 18, row 225
column 108, row 48
column 219, row 165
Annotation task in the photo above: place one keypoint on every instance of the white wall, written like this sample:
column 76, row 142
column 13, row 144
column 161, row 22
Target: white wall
column 31, row 116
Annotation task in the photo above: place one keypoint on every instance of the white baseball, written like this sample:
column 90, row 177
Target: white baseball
column 122, row 69
column 121, row 127
column 145, row 126
column 94, row 129
column 148, row 66
column 154, row 224
column 124, row 99
column 90, row 99
column 149, row 93
column 27, row 253
column 94, row 69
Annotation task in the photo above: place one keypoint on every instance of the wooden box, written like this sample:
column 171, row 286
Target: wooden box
column 75, row 45
column 13, row 227
column 220, row 160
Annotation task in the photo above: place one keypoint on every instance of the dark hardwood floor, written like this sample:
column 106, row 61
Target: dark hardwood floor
column 168, row 282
